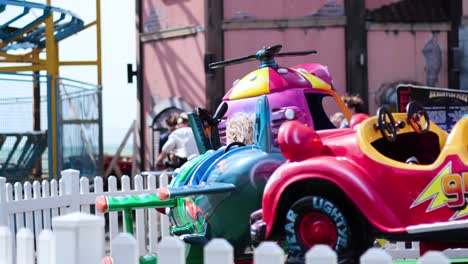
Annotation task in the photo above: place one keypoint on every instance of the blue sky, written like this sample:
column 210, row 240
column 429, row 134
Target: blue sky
column 118, row 49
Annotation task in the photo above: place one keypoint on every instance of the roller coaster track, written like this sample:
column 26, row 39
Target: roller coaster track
column 31, row 34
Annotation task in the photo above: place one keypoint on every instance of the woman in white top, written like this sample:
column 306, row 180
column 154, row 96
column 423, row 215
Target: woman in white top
column 181, row 143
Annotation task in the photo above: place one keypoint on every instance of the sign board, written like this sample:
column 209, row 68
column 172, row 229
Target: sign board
column 444, row 106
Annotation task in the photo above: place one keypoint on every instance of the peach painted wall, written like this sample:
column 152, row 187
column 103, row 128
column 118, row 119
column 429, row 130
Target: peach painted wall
column 393, row 57
column 329, row 43
column 172, row 67
column 287, row 9
column 373, row 4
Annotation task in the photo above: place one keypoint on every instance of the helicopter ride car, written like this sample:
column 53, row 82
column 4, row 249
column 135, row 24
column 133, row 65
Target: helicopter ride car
column 213, row 195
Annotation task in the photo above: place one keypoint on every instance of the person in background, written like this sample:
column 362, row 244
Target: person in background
column 338, row 119
column 181, row 142
column 171, row 123
column 354, row 103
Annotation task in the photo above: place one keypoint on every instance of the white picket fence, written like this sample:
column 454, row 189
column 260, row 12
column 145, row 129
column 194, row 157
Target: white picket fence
column 78, row 238
column 32, row 206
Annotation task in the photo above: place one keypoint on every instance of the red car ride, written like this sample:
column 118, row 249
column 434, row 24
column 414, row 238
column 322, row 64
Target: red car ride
column 397, row 176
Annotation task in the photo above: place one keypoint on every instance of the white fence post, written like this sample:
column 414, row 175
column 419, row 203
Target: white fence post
column 171, row 250
column 46, row 247
column 376, row 256
column 3, row 204
column 321, row 254
column 71, row 181
column 163, row 182
column 77, row 233
column 124, row 249
column 153, row 218
column 268, row 253
column 432, row 257
column 25, row 247
column 218, row 251
column 113, row 216
column 140, row 227
column 6, row 245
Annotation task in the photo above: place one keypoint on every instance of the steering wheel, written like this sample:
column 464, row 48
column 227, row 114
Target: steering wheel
column 239, row 144
column 387, row 128
column 415, row 111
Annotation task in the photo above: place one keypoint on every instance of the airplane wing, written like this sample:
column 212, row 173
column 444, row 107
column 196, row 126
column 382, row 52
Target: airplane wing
column 201, row 189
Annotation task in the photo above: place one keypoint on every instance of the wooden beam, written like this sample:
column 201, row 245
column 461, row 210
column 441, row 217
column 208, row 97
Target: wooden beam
column 175, row 32
column 113, row 165
column 214, row 51
column 373, row 26
column 304, row 22
column 80, row 121
column 453, row 58
column 141, row 129
column 356, row 50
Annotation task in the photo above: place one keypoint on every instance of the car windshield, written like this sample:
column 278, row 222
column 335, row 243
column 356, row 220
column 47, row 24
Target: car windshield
column 325, row 112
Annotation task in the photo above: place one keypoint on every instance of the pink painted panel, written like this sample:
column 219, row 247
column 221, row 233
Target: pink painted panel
column 272, row 9
column 373, row 4
column 465, row 7
column 395, row 57
column 163, row 14
column 329, row 43
column 421, row 39
column 175, row 68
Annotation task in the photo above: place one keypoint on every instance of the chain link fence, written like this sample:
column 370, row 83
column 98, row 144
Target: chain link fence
column 24, row 116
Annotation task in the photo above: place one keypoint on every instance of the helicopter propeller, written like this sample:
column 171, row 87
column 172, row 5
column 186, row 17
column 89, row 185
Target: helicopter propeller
column 265, row 56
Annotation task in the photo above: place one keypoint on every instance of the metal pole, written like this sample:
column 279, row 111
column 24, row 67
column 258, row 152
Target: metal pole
column 52, row 66
column 100, row 162
column 214, row 51
column 140, row 87
column 37, row 111
column 456, row 13
column 356, row 50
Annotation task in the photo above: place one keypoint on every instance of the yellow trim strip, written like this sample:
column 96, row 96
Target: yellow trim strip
column 77, row 63
column 342, row 105
column 253, row 84
column 40, row 67
column 89, row 25
column 315, row 81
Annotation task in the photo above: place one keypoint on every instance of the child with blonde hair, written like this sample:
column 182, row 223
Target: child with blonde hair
column 239, row 128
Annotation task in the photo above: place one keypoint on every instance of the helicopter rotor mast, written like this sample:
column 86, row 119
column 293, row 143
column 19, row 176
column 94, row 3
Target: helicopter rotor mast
column 266, row 56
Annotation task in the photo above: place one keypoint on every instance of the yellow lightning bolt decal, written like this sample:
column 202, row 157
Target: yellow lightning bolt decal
column 460, row 214
column 434, row 191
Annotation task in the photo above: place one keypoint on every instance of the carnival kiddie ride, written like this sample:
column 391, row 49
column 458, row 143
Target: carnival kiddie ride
column 214, row 194
column 396, row 176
